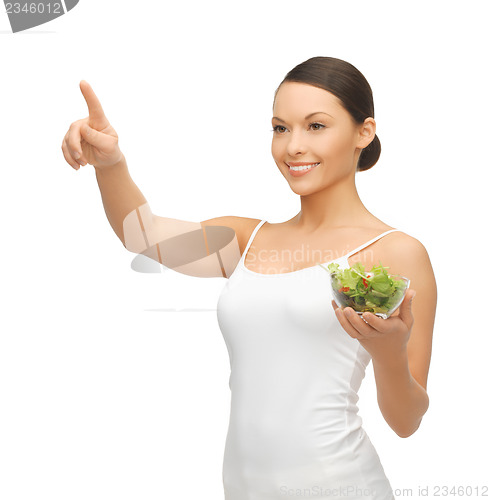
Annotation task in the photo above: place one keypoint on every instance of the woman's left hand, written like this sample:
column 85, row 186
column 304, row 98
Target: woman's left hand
column 380, row 337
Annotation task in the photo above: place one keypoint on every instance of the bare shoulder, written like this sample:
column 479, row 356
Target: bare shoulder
column 243, row 227
column 403, row 247
column 406, row 255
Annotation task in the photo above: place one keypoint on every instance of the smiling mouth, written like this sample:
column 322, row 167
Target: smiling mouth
column 303, row 167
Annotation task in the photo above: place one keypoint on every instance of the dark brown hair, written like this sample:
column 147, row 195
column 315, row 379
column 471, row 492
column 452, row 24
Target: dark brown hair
column 348, row 84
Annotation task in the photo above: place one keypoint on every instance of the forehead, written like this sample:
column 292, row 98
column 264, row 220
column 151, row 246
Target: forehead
column 301, row 98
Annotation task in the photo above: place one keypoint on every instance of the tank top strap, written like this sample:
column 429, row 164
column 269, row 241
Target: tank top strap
column 254, row 232
column 364, row 245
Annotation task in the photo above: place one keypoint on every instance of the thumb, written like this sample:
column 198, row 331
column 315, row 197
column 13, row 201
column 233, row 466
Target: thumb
column 406, row 307
column 95, row 138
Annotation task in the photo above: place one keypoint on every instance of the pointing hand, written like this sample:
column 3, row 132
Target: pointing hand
column 91, row 140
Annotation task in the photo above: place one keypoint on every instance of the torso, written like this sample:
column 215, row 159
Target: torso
column 281, row 248
column 294, row 371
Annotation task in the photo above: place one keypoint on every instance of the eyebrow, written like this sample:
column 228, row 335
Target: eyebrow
column 306, row 117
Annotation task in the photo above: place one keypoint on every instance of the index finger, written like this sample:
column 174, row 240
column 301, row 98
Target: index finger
column 95, row 111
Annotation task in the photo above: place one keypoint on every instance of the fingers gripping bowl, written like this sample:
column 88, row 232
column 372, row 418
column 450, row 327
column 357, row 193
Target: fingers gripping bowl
column 375, row 291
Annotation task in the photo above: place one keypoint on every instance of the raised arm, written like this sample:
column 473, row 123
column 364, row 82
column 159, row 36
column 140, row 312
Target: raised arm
column 211, row 248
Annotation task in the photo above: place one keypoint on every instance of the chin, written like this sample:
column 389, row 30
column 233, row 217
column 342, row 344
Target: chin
column 303, row 190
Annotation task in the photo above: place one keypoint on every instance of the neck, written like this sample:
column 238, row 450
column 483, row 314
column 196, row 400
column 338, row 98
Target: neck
column 337, row 205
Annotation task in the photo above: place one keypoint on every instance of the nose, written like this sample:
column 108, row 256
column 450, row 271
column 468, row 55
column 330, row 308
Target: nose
column 296, row 143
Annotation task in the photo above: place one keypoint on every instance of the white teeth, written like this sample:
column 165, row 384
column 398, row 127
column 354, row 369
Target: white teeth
column 304, row 167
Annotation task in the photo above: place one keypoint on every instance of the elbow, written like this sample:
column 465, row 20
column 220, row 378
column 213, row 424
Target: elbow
column 405, row 433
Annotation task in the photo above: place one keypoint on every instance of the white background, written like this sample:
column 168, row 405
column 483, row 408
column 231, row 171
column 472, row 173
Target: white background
column 104, row 395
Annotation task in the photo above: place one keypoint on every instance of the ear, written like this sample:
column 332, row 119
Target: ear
column 367, row 131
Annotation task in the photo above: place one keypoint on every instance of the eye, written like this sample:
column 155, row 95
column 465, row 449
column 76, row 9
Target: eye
column 319, row 124
column 276, row 129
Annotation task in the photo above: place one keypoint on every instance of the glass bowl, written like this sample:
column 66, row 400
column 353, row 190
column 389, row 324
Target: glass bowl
column 382, row 303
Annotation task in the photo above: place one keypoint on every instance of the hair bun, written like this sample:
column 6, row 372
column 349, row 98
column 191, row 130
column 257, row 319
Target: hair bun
column 369, row 155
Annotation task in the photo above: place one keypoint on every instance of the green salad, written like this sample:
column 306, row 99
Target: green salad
column 374, row 291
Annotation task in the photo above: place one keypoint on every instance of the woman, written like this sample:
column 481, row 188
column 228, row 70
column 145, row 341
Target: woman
column 296, row 363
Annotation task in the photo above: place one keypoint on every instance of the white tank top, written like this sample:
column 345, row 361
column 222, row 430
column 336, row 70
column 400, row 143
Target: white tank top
column 294, row 429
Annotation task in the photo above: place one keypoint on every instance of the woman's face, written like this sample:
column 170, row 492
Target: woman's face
column 329, row 137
